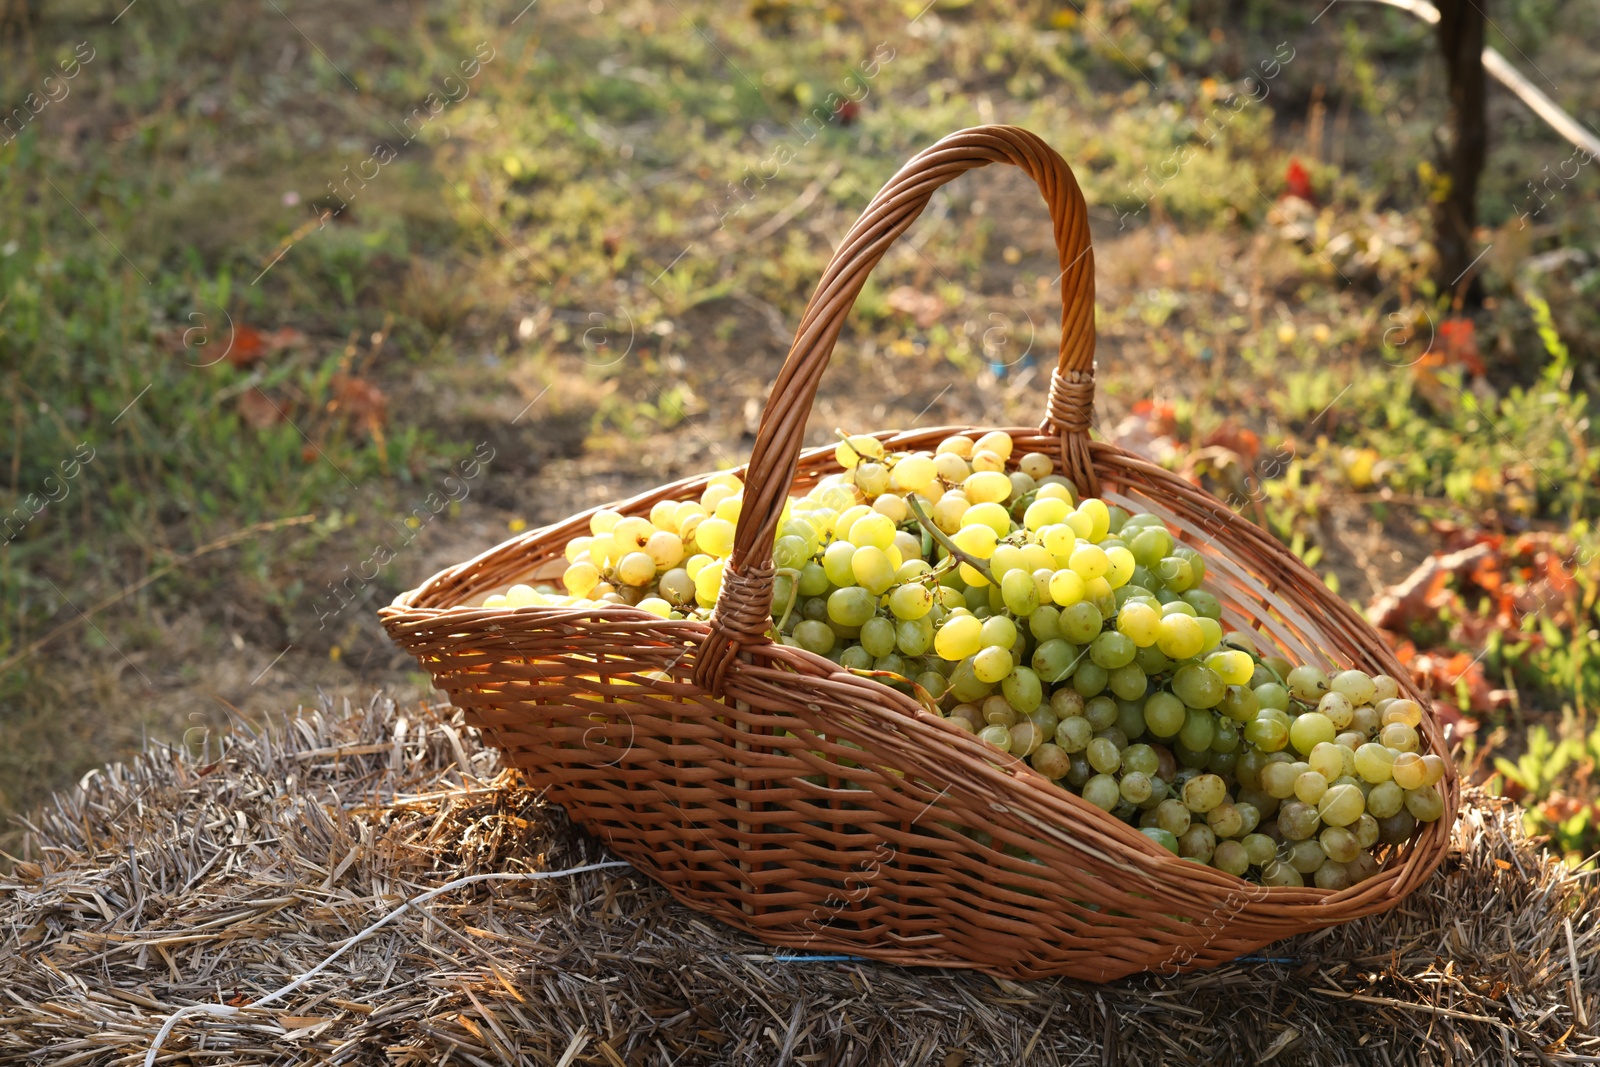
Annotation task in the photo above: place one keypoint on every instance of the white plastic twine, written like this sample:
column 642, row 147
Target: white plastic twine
column 228, row 1011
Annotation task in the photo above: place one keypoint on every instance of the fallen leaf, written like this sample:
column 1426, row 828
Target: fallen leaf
column 250, row 344
column 924, row 308
column 361, row 400
column 258, row 410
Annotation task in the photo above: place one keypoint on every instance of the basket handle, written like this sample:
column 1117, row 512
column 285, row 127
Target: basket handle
column 743, row 612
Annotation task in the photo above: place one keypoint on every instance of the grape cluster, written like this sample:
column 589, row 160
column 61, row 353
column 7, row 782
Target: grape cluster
column 1066, row 632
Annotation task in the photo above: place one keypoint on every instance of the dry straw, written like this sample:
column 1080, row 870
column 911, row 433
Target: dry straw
column 175, row 880
column 767, row 787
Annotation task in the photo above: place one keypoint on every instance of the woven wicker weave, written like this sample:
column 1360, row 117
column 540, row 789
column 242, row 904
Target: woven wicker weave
column 820, row 810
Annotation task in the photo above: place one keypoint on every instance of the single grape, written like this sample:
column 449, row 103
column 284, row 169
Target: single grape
column 1140, row 623
column 1374, row 763
column 1397, row 828
column 855, row 657
column 992, row 663
column 814, row 636
column 1408, row 712
column 1180, row 637
column 1204, row 792
column 1225, row 820
column 1198, row 843
column 1266, row 733
column 998, row 736
column 1337, row 707
column 1197, row 686
column 961, row 636
column 1089, row 678
column 1356, row 685
column 851, row 606
column 1305, row 856
column 1298, row 821
column 1278, row 873
column 1165, row 838
column 914, row 636
column 1239, row 704
column 1399, row 737
column 1164, row 714
column 1051, row 761
column 1341, row 805
column 1385, row 799
column 1025, row 737
column 1074, row 734
column 1260, row 848
column 1310, row 730
column 1112, row 650
column 1021, row 687
column 1102, row 791
column 1128, row 681
column 877, row 636
column 1425, row 804
column 1232, row 666
column 1080, row 623
column 1272, row 695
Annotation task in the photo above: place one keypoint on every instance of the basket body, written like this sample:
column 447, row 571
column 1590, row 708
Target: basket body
column 823, row 811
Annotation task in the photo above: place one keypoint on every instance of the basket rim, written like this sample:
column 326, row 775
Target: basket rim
column 402, row 612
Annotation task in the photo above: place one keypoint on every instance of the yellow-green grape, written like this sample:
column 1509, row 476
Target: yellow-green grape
column 1164, row 714
column 854, row 450
column 948, row 511
column 1198, row 730
column 656, row 606
column 1210, row 633
column 1036, row 465
column 961, row 636
column 522, row 596
column 976, row 540
column 1089, row 562
column 814, row 636
column 1279, row 873
column 1175, row 572
column 1021, row 596
column 1327, row 759
column 957, row 445
column 996, row 441
column 1067, row 588
column 999, row 630
column 1436, row 769
column 855, row 657
column 714, row 495
column 1385, row 799
column 1307, row 683
column 1310, row 730
column 914, row 473
column 580, row 579
column 1408, row 712
column 1198, row 843
column 1225, row 820
column 1102, row 791
column 1337, row 707
column 1025, row 737
column 872, row 530
column 1136, row 787
column 952, row 469
column 1273, row 695
column 604, row 521
column 1180, row 637
column 1173, row 816
column 910, row 602
column 1399, row 737
column 495, row 600
column 708, row 584
column 1333, row 876
column 1128, row 682
column 1204, row 792
column 851, row 606
column 997, row 711
column 1240, row 704
column 636, row 569
column 987, row 461
column 1278, row 780
column 1384, row 688
column 836, row 563
column 602, row 551
column 1356, row 685
column 914, row 636
column 1121, row 566
column 1197, row 686
column 872, row 478
column 1374, row 763
column 998, row 736
column 676, row 587
column 1339, row 844
column 986, row 487
column 1309, row 787
column 715, row 536
column 1099, row 517
column 873, row 569
column 1005, row 559
column 1425, row 804
column 1045, row 511
column 577, row 549
column 1305, row 856
column 878, row 637
column 1103, row 755
column 992, row 664
column 631, row 533
column 1341, row 805
column 1266, row 732
column 1140, row 622
column 1101, row 711
column 1233, row 667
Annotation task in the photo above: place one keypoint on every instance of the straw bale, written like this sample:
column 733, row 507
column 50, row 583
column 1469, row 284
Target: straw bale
column 178, row 879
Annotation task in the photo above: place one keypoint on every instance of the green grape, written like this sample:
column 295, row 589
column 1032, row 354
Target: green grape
column 1045, row 718
column 1130, row 718
column 1273, row 695
column 1225, row 820
column 1310, row 730
column 934, row 683
column 1102, row 791
column 1205, row 604
column 1278, row 873
column 1211, row 633
column 1221, row 763
column 999, row 630
column 964, row 685
column 1224, row 736
column 1306, row 856
column 813, row 580
column 891, row 663
column 1165, row 838
column 851, row 606
column 1176, row 573
column 1408, row 769
column 1309, row 787
column 1081, row 622
column 1425, row 804
column 1339, row 844
column 1111, row 650
column 1164, row 714
column 1198, row 843
column 856, row 658
column 1127, row 681
column 877, row 636
column 910, row 601
column 1337, row 707
column 1044, row 624
column 1249, row 817
column 872, row 568
column 997, row 711
column 1399, row 737
column 998, row 736
column 1074, row 734
column 1173, row 816
column 1297, row 821
column 814, row 636
column 1397, row 828
column 1328, row 760
column 1067, row 703
column 1152, row 660
column 1101, row 712
column 1198, row 731
column 1025, row 737
column 1090, row 679
column 1266, row 733
column 914, row 636
column 1136, row 787
column 1232, row 666
column 1198, row 687
column 1239, row 704
column 790, row 552
column 1149, row 545
column 1141, row 758
column 1140, row 623
column 1021, row 687
column 1260, row 848
column 1053, row 659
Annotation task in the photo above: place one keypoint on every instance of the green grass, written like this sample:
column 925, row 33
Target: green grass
column 616, row 180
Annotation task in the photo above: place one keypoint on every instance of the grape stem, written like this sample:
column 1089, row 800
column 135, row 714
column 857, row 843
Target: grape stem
column 794, row 595
column 949, row 546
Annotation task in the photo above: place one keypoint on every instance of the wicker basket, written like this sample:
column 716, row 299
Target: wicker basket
column 819, row 810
